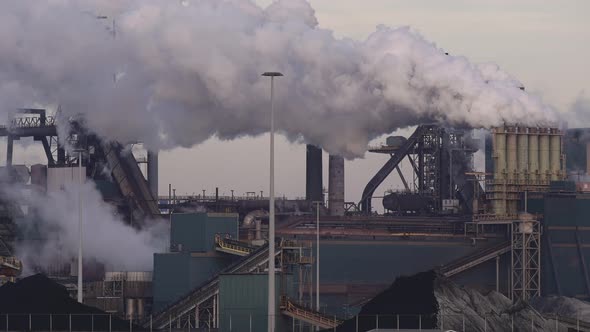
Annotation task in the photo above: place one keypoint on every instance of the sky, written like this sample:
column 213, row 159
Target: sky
column 542, row 43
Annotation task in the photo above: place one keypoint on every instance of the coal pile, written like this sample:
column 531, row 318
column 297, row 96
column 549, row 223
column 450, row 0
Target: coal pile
column 409, row 302
column 38, row 303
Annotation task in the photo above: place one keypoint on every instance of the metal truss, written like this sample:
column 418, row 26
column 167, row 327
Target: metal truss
column 526, row 259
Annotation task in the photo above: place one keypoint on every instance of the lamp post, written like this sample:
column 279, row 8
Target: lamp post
column 271, row 208
column 80, row 240
column 317, row 257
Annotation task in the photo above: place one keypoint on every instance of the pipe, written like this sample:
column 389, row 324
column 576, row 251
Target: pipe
column 523, row 154
column 544, row 154
column 250, row 218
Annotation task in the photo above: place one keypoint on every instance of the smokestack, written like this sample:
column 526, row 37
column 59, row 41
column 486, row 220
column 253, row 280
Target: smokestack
column 336, row 185
column 313, row 174
column 152, row 170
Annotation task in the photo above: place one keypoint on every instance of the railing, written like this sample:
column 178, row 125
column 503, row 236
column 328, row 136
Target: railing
column 233, row 247
column 313, row 317
column 245, row 321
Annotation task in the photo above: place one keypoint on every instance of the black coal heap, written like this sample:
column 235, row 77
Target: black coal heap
column 49, row 306
column 410, row 300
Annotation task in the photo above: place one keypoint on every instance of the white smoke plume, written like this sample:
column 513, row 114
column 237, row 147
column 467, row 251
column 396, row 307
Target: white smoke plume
column 186, row 71
column 51, row 230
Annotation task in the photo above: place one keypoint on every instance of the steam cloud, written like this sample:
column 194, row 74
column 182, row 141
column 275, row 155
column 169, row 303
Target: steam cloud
column 186, row 71
column 51, row 230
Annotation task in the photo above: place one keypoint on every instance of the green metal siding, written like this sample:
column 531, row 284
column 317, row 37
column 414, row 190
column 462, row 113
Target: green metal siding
column 195, row 232
column 243, row 301
column 175, row 274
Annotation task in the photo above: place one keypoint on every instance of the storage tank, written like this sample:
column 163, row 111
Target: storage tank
column 555, row 154
column 130, row 308
column 406, row 202
column 140, row 308
column 336, row 185
column 512, row 152
column 500, row 153
column 533, row 154
column 544, row 159
column 523, row 154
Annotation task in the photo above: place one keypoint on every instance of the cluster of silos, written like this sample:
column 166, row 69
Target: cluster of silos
column 525, row 158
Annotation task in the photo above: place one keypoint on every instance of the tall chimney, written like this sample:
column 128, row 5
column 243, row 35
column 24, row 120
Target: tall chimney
column 313, row 174
column 152, row 170
column 336, row 185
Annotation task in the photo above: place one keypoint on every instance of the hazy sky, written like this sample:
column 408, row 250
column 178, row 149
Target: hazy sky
column 542, row 43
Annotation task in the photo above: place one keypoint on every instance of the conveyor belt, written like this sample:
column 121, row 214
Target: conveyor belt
column 130, row 180
column 233, row 247
column 474, row 259
column 293, row 310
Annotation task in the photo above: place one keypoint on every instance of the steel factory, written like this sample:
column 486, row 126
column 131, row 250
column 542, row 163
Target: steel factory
column 518, row 227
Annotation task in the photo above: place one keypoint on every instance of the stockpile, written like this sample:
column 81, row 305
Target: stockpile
column 48, row 305
column 410, row 300
column 430, row 301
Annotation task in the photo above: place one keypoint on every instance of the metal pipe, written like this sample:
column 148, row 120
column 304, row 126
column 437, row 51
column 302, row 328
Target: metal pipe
column 317, row 271
column 80, row 241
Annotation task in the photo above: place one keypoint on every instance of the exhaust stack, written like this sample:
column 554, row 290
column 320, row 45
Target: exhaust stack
column 313, row 174
column 336, row 186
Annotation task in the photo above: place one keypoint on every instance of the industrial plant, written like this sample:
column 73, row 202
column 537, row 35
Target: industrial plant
column 516, row 228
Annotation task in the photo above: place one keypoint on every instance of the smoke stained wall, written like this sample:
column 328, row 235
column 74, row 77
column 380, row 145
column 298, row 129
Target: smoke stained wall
column 177, row 73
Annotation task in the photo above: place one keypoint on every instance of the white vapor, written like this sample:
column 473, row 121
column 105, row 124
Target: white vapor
column 190, row 70
column 51, row 230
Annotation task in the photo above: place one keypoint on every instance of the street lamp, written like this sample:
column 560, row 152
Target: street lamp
column 271, row 215
column 317, row 257
column 80, row 241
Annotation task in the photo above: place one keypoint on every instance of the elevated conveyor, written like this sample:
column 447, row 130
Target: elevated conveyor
column 130, row 180
column 293, row 310
column 233, row 247
column 467, row 262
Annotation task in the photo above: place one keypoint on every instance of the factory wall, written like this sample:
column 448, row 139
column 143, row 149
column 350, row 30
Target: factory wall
column 243, row 300
column 175, row 274
column 374, row 264
column 195, row 232
column 58, row 177
column 194, row 259
column 566, row 236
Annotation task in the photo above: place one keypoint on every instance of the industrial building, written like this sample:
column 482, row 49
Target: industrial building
column 518, row 228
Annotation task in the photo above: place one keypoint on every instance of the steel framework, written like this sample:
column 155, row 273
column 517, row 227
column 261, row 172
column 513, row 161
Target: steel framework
column 526, row 259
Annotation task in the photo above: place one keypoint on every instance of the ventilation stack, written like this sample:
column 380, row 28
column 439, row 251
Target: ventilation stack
column 313, row 174
column 336, row 185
